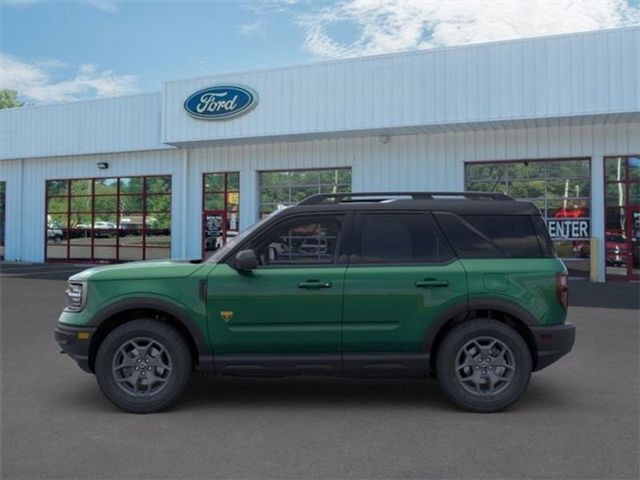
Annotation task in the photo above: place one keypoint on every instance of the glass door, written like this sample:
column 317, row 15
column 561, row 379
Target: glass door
column 220, row 210
column 622, row 217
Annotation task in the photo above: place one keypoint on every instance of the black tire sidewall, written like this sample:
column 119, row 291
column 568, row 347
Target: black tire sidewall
column 180, row 357
column 446, row 363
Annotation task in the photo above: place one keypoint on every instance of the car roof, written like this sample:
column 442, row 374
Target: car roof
column 473, row 203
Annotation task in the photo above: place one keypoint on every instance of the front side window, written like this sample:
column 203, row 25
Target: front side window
column 302, row 242
column 280, row 189
column 402, row 238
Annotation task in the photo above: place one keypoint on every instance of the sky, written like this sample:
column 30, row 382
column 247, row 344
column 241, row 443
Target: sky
column 58, row 51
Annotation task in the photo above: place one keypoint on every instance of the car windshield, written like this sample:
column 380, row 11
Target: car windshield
column 221, row 252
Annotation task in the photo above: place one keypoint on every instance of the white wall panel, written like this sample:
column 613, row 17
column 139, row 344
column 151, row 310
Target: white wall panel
column 11, row 173
column 550, row 77
column 99, row 126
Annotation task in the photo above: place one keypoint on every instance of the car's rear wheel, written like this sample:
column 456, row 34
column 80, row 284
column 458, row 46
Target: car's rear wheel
column 143, row 366
column 483, row 365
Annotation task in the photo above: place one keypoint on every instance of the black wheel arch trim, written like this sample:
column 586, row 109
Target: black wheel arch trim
column 205, row 357
column 505, row 306
column 463, row 308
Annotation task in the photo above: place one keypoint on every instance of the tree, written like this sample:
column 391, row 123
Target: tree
column 9, row 99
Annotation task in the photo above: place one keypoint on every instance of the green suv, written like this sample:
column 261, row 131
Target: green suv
column 465, row 287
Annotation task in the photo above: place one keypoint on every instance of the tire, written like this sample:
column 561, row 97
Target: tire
column 472, row 382
column 124, row 376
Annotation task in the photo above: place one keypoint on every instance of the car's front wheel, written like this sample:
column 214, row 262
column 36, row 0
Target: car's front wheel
column 483, row 365
column 143, row 366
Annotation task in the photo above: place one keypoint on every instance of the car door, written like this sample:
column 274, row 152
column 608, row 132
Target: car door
column 402, row 275
column 291, row 304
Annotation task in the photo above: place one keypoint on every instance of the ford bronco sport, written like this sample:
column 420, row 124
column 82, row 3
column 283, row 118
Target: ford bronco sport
column 461, row 286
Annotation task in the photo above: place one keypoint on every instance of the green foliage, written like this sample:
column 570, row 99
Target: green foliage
column 9, row 99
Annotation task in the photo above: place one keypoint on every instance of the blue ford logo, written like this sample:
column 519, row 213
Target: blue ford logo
column 221, row 102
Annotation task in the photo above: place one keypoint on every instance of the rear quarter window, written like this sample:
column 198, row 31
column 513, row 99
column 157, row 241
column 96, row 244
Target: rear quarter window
column 486, row 236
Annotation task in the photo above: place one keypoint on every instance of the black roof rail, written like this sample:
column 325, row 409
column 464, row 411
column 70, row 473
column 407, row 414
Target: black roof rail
column 382, row 196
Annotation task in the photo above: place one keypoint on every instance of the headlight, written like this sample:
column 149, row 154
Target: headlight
column 75, row 297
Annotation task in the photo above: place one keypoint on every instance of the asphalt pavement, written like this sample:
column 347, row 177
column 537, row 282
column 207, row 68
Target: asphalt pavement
column 578, row 419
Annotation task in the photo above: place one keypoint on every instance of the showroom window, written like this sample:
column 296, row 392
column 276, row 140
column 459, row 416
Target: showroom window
column 560, row 188
column 622, row 217
column 279, row 189
column 3, row 187
column 220, row 209
column 109, row 219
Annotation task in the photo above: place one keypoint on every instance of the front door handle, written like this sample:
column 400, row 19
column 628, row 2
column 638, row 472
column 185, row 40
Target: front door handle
column 311, row 284
column 431, row 283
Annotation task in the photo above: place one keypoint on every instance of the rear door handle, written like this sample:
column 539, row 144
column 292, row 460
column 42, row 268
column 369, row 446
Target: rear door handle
column 431, row 283
column 311, row 284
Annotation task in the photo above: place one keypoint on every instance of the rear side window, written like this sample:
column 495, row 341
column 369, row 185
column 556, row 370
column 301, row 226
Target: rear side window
column 486, row 236
column 402, row 238
column 546, row 244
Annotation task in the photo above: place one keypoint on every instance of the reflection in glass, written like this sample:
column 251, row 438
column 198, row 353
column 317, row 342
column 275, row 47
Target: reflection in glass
column 158, row 253
column 279, row 189
column 131, row 185
column 81, row 204
column 634, row 168
column 101, row 222
column 106, row 186
column 221, row 201
column 131, row 254
column 57, row 204
column 615, row 169
column 57, row 187
column 615, row 194
column 81, row 187
column 106, row 204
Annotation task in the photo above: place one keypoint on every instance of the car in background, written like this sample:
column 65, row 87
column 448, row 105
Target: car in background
column 54, row 232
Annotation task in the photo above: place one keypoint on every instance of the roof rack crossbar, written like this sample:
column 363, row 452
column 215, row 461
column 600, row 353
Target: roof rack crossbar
column 380, row 196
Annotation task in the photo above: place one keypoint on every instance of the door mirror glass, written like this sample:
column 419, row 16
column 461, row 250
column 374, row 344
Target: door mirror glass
column 246, row 260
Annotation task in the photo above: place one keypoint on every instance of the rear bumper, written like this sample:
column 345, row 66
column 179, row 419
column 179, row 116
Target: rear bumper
column 74, row 345
column 553, row 343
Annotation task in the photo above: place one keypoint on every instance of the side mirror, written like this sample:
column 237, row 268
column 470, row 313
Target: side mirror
column 246, row 260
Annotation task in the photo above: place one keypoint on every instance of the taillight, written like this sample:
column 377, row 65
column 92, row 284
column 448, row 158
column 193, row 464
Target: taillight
column 562, row 290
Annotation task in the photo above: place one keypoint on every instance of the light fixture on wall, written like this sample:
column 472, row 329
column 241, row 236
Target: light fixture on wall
column 102, row 165
column 384, row 139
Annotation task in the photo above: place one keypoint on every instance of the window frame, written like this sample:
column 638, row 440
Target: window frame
column 340, row 257
column 225, row 210
column 144, row 194
column 356, row 256
column 3, row 217
column 289, row 185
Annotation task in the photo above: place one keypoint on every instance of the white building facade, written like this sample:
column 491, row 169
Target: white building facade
column 554, row 120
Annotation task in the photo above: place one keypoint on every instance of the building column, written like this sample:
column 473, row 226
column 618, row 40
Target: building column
column 249, row 198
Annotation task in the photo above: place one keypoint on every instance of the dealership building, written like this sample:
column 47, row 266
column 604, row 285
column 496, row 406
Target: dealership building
column 552, row 120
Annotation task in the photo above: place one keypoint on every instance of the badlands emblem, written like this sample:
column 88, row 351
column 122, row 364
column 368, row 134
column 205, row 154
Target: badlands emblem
column 226, row 315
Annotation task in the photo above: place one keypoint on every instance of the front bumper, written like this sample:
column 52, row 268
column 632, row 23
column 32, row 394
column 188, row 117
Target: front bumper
column 552, row 343
column 75, row 342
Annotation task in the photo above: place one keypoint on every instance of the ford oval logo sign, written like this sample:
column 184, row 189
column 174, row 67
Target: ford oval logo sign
column 221, row 102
